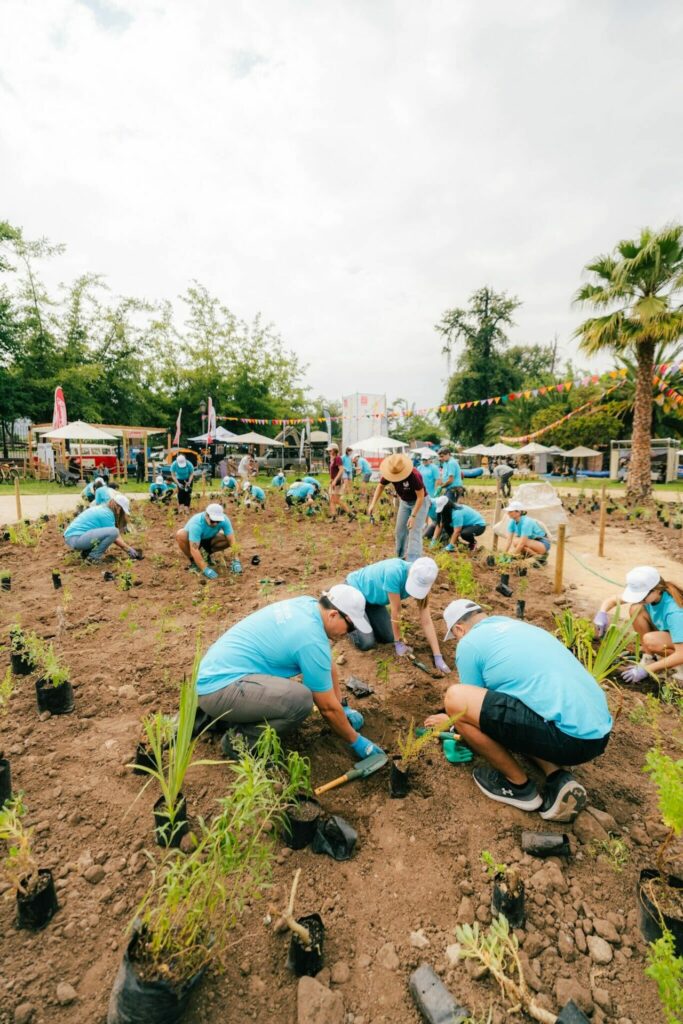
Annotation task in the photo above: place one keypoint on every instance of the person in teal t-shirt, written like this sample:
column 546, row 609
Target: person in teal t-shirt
column 94, row 530
column 182, row 473
column 201, row 533
column 656, row 607
column 229, row 483
column 160, row 491
column 364, row 470
column 430, row 474
column 526, row 536
column 278, row 480
column 347, row 470
column 301, row 493
column 250, row 492
column 523, row 692
column 91, row 490
column 248, row 677
column 450, row 476
column 459, row 522
column 390, row 582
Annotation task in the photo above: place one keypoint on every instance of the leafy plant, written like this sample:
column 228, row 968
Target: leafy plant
column 382, row 669
column 601, row 663
column 5, row 575
column 6, row 691
column 410, row 746
column 666, row 969
column 26, row 535
column 497, row 949
column 573, row 630
column 18, row 642
column 613, row 849
column 460, row 573
column 126, row 580
column 493, row 869
column 19, row 866
column 667, row 776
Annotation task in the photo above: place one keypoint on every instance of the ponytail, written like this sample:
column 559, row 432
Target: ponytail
column 673, row 591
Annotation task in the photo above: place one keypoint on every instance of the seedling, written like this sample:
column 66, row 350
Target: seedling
column 126, row 580
column 614, row 850
column 6, row 691
column 382, row 669
column 289, row 921
column 667, row 776
column 666, row 969
column 493, row 870
column 410, row 746
column 573, row 630
column 19, row 867
column 610, row 654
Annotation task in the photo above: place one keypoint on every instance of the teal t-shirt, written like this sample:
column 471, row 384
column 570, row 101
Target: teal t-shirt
column 284, row 639
column 466, row 516
column 88, row 492
column 364, row 466
column 228, row 483
column 301, row 491
column 668, row 616
column 257, row 493
column 347, row 463
column 527, row 527
column 528, row 663
column 451, row 467
column 430, row 476
column 380, row 579
column 315, row 484
column 278, row 480
column 103, row 495
column 158, row 488
column 185, row 472
column 198, row 529
column 97, row 517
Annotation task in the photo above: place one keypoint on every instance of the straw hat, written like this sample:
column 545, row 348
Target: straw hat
column 396, row 468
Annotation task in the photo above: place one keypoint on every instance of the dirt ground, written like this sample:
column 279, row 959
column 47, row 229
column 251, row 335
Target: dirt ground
column 417, row 869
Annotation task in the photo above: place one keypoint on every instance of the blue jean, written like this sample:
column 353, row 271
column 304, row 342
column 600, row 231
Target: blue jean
column 409, row 542
column 99, row 540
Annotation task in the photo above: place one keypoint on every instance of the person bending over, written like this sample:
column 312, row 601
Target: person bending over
column 301, row 493
column 526, row 536
column 201, row 534
column 522, row 692
column 94, row 530
column 458, row 522
column 247, row 678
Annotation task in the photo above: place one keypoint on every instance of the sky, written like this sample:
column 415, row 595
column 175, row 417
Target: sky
column 348, row 168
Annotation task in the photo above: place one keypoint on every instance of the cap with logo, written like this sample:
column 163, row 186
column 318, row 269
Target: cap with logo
column 351, row 603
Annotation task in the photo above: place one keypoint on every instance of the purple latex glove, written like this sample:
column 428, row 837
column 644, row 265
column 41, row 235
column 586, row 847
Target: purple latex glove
column 601, row 622
column 441, row 664
column 401, row 648
column 635, row 674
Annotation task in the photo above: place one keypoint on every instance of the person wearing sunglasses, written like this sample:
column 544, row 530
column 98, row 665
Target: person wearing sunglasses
column 247, row 678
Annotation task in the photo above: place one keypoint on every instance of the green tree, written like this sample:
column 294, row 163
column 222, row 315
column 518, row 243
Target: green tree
column 406, row 427
column 591, row 428
column 638, row 286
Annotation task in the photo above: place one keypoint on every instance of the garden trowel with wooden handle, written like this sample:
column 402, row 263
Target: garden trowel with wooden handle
column 360, row 770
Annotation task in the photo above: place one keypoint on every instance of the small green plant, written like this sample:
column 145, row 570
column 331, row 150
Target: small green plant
column 382, row 669
column 126, row 580
column 26, row 535
column 460, row 573
column 18, row 641
column 667, row 776
column 5, row 575
column 493, row 869
column 6, row 691
column 647, row 712
column 614, row 850
column 573, row 630
column 666, row 969
column 411, row 746
column 19, row 866
column 601, row 663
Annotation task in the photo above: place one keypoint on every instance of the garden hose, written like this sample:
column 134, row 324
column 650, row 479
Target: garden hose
column 588, row 569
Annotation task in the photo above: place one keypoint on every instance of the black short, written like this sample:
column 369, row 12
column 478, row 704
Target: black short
column 185, row 496
column 520, row 730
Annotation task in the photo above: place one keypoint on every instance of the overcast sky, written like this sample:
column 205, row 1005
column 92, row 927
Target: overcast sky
column 349, row 168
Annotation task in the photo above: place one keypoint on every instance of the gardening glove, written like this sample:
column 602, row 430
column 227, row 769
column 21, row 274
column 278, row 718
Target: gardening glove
column 635, row 674
column 601, row 622
column 450, row 547
column 355, row 718
column 402, row 649
column 441, row 664
column 135, row 554
column 433, row 542
column 364, row 748
column 236, row 566
column 210, row 573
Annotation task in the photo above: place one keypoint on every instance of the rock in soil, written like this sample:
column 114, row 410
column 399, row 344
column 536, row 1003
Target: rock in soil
column 316, row 1004
column 340, row 973
column 23, row 1014
column 600, row 951
column 66, row 994
column 588, row 829
column 571, row 988
column 387, row 957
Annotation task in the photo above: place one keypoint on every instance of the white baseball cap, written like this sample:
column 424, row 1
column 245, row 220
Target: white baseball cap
column 246, row 486
column 121, row 500
column 159, row 479
column 422, row 574
column 514, row 506
column 98, row 480
column 215, row 512
column 181, row 460
column 427, row 455
column 639, row 582
column 332, row 447
column 441, row 502
column 455, row 611
column 351, row 602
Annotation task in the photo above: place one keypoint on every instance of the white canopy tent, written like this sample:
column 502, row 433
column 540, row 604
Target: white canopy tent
column 499, row 449
column 377, row 443
column 556, row 450
column 79, row 431
column 221, row 435
column 533, row 448
column 253, row 438
column 581, row 452
column 478, row 449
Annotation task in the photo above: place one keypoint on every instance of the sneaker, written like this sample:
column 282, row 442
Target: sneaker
column 494, row 785
column 563, row 797
column 230, row 745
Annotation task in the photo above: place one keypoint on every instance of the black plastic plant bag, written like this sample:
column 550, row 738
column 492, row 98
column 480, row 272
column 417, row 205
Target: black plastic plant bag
column 335, row 837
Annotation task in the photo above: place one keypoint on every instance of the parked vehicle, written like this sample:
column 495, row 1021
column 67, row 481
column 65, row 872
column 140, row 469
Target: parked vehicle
column 93, row 456
column 277, row 458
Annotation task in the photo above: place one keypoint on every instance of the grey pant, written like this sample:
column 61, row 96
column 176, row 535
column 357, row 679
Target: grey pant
column 382, row 633
column 99, row 540
column 409, row 542
column 253, row 701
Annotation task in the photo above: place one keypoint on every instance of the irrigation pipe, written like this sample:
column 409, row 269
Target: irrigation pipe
column 588, row 569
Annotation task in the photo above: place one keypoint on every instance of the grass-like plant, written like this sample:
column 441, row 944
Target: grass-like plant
column 26, row 535
column 43, row 657
column 667, row 776
column 573, row 630
column 6, row 691
column 411, row 746
column 19, row 866
column 460, row 573
column 666, row 969
column 618, row 638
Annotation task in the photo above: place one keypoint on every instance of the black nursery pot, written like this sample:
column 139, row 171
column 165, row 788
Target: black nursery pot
column 58, row 700
column 520, row 609
column 6, row 583
column 307, row 961
column 510, row 905
column 21, row 664
column 546, row 844
column 56, row 579
column 165, row 834
column 571, row 1014
column 399, row 781
column 35, row 910
column 300, row 823
column 5, row 780
column 490, row 560
column 503, row 587
column 650, row 918
column 143, row 759
column 134, row 1000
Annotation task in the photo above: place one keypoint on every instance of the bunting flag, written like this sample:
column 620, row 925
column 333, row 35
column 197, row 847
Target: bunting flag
column 671, row 394
column 525, row 438
column 176, row 439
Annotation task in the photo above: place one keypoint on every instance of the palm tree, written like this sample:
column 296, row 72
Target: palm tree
column 638, row 286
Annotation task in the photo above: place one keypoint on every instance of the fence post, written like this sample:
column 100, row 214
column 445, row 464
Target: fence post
column 603, row 520
column 496, row 514
column 559, row 559
column 17, row 497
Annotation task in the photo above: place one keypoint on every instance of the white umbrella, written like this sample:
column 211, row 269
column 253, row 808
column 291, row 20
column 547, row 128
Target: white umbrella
column 79, row 431
column 533, row 448
column 253, row 438
column 479, row 449
column 582, row 453
column 502, row 449
column 377, row 443
column 556, row 450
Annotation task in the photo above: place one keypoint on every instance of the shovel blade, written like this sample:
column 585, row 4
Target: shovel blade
column 368, row 766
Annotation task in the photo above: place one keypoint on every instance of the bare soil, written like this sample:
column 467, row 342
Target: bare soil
column 417, row 866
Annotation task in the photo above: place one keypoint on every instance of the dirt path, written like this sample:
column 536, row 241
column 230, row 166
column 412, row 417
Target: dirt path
column 35, row 505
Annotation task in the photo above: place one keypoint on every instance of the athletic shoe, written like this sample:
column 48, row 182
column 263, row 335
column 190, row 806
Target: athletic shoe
column 563, row 797
column 494, row 785
column 230, row 744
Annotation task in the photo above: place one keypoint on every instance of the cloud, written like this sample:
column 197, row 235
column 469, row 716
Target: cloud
column 349, row 169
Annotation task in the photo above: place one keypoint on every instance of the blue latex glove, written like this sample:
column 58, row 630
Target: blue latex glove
column 635, row 674
column 433, row 542
column 401, row 648
column 601, row 622
column 236, row 566
column 450, row 547
column 210, row 573
column 355, row 718
column 364, row 748
column 441, row 664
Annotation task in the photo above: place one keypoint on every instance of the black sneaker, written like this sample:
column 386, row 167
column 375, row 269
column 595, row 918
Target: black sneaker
column 233, row 744
column 494, row 785
column 563, row 797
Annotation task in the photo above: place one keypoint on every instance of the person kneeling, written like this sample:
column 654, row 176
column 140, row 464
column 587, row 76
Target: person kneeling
column 247, row 678
column 201, row 532
column 523, row 692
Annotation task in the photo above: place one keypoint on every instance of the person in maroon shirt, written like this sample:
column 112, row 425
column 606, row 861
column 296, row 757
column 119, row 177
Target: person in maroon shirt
column 336, row 479
column 413, row 505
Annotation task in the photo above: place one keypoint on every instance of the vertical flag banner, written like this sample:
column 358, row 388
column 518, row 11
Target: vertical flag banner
column 176, row 439
column 210, row 423
column 59, row 411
